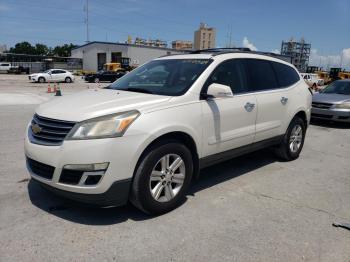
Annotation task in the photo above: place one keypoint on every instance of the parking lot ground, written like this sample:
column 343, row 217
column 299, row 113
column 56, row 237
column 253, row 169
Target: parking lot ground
column 253, row 208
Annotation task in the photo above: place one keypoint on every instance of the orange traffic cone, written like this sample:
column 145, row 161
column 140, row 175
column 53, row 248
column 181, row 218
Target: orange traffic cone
column 49, row 88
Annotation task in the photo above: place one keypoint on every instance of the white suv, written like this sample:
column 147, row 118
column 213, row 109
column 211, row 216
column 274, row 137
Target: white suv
column 52, row 75
column 145, row 137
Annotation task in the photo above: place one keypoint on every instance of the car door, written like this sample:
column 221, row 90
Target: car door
column 61, row 75
column 228, row 122
column 54, row 75
column 272, row 99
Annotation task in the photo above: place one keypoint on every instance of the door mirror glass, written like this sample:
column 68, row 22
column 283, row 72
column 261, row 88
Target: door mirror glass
column 219, row 90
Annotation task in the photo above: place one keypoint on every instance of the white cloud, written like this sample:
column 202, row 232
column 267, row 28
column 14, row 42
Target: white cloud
column 327, row 61
column 246, row 43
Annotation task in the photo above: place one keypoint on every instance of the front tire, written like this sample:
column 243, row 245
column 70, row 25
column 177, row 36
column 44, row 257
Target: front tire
column 41, row 80
column 293, row 140
column 162, row 178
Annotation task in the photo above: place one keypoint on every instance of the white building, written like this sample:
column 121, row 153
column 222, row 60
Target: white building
column 95, row 54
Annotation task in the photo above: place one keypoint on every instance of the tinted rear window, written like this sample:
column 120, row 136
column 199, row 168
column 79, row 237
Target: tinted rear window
column 261, row 75
column 286, row 75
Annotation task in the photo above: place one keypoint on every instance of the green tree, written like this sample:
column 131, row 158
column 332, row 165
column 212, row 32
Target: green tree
column 23, row 48
column 64, row 50
column 41, row 49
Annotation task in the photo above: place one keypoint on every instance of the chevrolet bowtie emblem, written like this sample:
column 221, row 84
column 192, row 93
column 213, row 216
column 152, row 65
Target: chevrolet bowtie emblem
column 36, row 128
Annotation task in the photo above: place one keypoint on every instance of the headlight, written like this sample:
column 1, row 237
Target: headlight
column 102, row 127
column 344, row 105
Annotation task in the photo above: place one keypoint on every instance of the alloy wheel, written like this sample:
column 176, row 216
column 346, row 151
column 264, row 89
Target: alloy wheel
column 296, row 138
column 167, row 178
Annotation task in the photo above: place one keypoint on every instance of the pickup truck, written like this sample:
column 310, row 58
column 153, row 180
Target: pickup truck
column 313, row 80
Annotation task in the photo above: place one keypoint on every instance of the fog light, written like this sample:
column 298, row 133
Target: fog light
column 88, row 167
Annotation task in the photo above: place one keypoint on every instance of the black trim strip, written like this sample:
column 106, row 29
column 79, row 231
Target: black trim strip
column 226, row 155
column 116, row 195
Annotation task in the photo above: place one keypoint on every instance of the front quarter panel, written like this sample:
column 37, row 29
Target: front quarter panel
column 184, row 118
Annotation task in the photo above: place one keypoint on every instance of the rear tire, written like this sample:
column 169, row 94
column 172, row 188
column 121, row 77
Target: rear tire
column 41, row 80
column 293, row 140
column 68, row 80
column 159, row 186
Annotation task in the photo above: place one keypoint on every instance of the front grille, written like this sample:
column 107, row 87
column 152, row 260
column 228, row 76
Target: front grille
column 71, row 177
column 321, row 105
column 47, row 131
column 321, row 115
column 40, row 169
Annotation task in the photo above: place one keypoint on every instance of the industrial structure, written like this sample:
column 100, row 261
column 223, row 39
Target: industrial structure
column 182, row 45
column 204, row 37
column 298, row 51
column 151, row 42
column 95, row 54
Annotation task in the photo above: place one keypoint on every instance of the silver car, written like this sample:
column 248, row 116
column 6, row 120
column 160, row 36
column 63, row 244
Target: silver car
column 333, row 102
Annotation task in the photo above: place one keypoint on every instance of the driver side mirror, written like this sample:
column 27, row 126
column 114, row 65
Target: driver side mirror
column 219, row 91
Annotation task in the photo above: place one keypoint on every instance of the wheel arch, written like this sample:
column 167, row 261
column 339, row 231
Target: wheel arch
column 45, row 80
column 302, row 114
column 174, row 136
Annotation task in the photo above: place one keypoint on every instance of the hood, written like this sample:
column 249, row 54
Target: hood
column 37, row 74
column 329, row 98
column 97, row 102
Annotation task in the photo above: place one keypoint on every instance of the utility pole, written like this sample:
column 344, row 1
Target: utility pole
column 229, row 36
column 87, row 21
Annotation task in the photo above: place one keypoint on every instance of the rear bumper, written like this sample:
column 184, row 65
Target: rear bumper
column 339, row 115
column 116, row 195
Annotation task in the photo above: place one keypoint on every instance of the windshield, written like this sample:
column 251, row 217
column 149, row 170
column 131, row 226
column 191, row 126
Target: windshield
column 338, row 87
column 47, row 71
column 171, row 77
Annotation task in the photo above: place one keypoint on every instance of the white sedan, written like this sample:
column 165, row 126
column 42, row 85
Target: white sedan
column 52, row 75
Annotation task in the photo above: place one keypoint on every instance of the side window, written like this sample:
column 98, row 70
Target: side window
column 54, row 72
column 286, row 75
column 261, row 75
column 230, row 73
column 60, row 72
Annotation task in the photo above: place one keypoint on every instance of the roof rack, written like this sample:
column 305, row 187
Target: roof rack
column 222, row 50
column 219, row 51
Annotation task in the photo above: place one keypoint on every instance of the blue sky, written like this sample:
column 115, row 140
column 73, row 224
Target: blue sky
column 263, row 24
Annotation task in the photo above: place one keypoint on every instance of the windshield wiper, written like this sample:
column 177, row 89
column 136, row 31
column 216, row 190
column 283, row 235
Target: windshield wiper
column 137, row 89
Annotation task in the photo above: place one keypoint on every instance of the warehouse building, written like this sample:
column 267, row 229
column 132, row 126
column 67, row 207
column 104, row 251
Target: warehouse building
column 96, row 54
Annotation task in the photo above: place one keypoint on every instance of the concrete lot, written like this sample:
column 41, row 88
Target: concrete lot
column 253, row 208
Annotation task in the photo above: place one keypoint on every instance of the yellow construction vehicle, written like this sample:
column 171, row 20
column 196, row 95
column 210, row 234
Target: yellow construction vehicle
column 323, row 75
column 112, row 67
column 344, row 75
column 123, row 65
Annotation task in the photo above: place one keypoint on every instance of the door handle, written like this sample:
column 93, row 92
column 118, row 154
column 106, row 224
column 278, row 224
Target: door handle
column 249, row 106
column 284, row 100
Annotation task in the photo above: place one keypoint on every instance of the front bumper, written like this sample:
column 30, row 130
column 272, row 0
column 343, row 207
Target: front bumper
column 116, row 195
column 33, row 78
column 339, row 115
column 122, row 153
